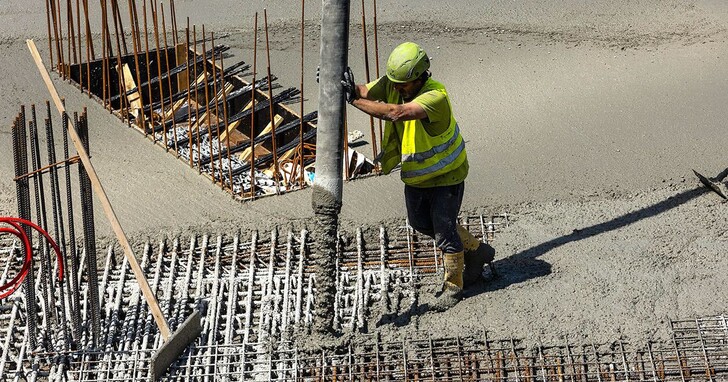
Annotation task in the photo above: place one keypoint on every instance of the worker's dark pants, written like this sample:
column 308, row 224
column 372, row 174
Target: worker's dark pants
column 433, row 211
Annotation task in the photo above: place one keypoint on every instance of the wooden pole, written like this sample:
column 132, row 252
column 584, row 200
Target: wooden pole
column 105, row 203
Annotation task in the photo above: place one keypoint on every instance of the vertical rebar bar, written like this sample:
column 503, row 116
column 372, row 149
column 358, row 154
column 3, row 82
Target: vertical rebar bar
column 57, row 224
column 71, row 32
column 50, row 36
column 207, row 104
column 217, row 112
column 197, row 102
column 252, row 108
column 368, row 78
column 104, row 77
column 159, row 73
column 134, row 38
column 147, row 69
column 22, row 193
column 271, row 106
column 89, row 235
column 225, row 119
column 169, row 81
column 189, row 105
column 73, row 257
column 300, row 129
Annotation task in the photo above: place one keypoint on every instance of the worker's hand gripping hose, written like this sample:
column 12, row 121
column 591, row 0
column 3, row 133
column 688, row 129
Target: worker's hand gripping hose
column 16, row 228
column 349, row 86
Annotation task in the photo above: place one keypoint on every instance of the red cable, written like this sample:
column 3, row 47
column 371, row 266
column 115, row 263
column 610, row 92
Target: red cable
column 19, row 232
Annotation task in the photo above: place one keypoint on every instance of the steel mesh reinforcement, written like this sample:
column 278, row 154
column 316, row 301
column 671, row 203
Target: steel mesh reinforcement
column 256, row 296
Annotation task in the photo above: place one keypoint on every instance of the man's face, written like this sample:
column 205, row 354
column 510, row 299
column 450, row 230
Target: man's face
column 408, row 90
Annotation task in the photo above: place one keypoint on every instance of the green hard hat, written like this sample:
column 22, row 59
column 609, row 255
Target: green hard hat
column 407, row 62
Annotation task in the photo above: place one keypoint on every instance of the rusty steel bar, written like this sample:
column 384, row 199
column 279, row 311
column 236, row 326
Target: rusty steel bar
column 276, row 175
column 197, row 102
column 159, row 73
column 44, row 169
column 119, row 69
column 252, row 114
column 89, row 49
column 133, row 21
column 117, row 17
column 173, row 15
column 187, row 73
column 217, row 113
column 50, row 36
column 89, row 40
column 104, row 64
column 207, row 102
column 64, row 74
column 169, row 80
column 71, row 32
column 59, row 51
column 366, row 70
column 376, row 53
column 300, row 130
column 146, row 54
column 225, row 118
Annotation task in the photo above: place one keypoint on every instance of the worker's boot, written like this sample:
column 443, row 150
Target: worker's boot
column 452, row 286
column 477, row 254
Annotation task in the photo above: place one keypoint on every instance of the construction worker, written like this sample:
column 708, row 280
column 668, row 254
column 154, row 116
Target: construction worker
column 422, row 136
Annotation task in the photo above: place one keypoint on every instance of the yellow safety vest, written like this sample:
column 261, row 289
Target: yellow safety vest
column 422, row 156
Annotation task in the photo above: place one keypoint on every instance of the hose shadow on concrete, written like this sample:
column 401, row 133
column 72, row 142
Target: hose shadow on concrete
column 526, row 265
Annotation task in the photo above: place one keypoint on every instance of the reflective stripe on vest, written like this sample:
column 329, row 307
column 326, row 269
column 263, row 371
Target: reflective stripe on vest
column 446, row 161
column 423, row 156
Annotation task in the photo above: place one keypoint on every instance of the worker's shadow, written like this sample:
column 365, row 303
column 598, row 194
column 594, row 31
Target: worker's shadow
column 526, row 265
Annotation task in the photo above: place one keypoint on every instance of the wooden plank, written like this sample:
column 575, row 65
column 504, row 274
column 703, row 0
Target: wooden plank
column 105, row 203
column 174, row 108
column 233, row 126
column 181, row 56
column 134, row 98
column 245, row 155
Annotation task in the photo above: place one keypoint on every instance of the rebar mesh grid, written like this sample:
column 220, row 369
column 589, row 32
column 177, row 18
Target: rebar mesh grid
column 256, row 297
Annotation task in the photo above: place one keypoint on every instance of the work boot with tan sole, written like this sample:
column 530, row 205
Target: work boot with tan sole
column 452, row 286
column 477, row 254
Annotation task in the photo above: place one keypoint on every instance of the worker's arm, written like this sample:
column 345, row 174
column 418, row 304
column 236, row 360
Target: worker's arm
column 389, row 111
column 359, row 97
